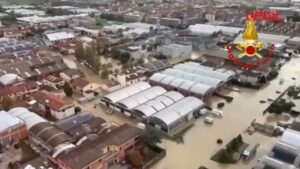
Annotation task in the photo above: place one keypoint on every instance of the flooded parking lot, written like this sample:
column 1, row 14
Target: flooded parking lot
column 200, row 141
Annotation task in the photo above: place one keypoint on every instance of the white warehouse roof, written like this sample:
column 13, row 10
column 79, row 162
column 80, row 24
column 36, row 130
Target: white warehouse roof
column 193, row 77
column 180, row 83
column 142, row 97
column 7, row 120
column 224, row 76
column 161, row 102
column 127, row 92
column 266, row 38
column 291, row 137
column 210, row 29
column 178, row 110
column 9, row 79
column 29, row 117
column 60, row 36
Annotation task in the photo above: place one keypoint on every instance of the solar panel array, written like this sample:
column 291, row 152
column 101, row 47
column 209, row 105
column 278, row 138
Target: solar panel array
column 74, row 121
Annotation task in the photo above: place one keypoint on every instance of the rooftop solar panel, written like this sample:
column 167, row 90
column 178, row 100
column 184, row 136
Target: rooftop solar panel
column 74, row 121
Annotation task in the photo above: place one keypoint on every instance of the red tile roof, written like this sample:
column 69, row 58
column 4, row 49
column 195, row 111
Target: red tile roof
column 52, row 101
column 17, row 88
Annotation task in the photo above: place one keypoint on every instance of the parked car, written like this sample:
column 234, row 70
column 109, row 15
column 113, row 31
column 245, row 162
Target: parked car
column 209, row 120
column 203, row 111
column 283, row 124
column 217, row 112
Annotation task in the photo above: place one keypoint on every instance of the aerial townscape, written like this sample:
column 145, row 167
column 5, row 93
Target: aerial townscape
column 149, row 84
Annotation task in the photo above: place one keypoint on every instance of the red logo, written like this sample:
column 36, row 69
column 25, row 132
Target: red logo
column 264, row 15
column 250, row 46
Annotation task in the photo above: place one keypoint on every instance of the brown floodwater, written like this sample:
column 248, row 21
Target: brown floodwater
column 200, row 141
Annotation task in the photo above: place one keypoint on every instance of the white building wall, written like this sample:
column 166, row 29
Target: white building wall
column 63, row 114
column 175, row 50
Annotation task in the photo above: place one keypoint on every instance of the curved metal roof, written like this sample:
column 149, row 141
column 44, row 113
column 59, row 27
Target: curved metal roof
column 224, row 76
column 178, row 110
column 193, row 77
column 30, row 118
column 202, row 89
column 142, row 97
column 161, row 102
column 49, row 134
column 9, row 78
column 127, row 92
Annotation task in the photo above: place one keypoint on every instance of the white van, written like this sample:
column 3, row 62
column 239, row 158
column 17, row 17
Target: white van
column 217, row 112
column 209, row 120
column 250, row 151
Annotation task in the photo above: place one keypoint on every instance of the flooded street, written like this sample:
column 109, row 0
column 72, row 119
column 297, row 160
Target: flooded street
column 200, row 141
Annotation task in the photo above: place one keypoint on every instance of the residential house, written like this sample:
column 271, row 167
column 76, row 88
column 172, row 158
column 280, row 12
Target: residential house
column 15, row 32
column 54, row 105
column 111, row 86
column 67, row 47
column 19, row 90
column 33, row 68
column 127, row 78
column 102, row 152
column 70, row 74
column 60, row 36
column 81, row 85
column 54, row 82
column 12, row 129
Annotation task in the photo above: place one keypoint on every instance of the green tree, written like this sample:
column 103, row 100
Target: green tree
column 151, row 136
column 225, row 156
column 6, row 103
column 68, row 90
column 235, row 145
column 136, row 159
column 104, row 73
column 240, row 138
column 140, row 61
column 79, row 51
column 102, row 44
column 124, row 58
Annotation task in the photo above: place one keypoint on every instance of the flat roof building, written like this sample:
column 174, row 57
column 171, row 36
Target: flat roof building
column 186, row 87
column 176, row 114
column 141, row 97
column 12, row 129
column 215, row 83
column 121, row 94
column 196, row 68
column 157, row 104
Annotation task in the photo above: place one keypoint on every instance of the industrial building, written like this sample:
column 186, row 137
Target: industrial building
column 112, row 98
column 157, row 104
column 192, row 79
column 186, row 87
column 128, row 103
column 204, row 29
column 154, row 66
column 199, row 69
column 175, row 50
column 41, row 131
column 176, row 114
column 284, row 154
column 145, row 102
column 12, row 129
